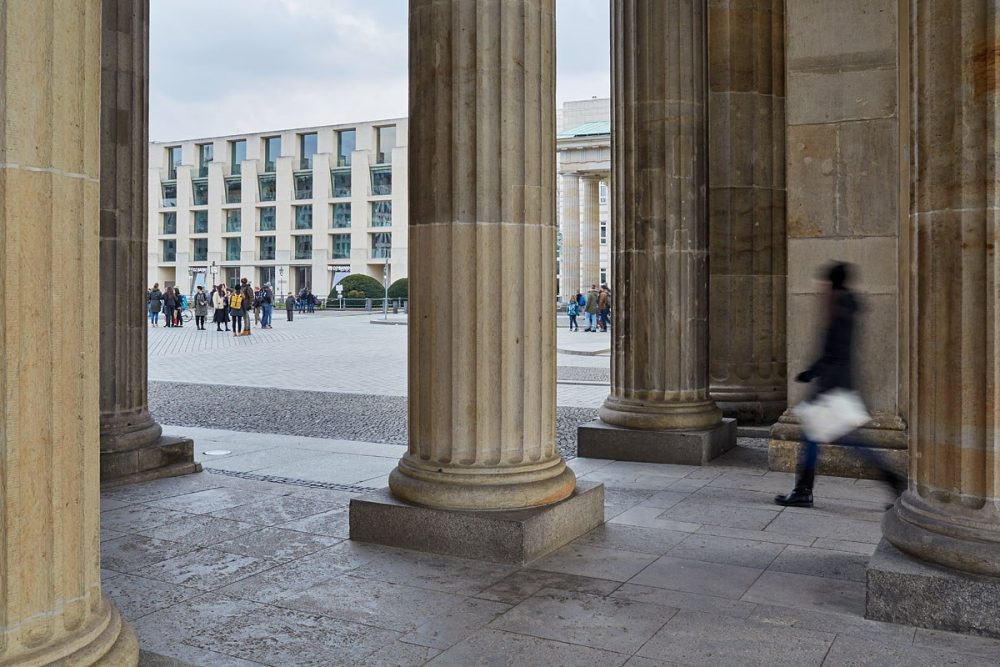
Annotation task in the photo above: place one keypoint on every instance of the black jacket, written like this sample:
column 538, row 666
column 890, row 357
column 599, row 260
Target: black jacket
column 834, row 367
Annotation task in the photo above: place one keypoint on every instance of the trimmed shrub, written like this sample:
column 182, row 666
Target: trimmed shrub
column 400, row 289
column 366, row 285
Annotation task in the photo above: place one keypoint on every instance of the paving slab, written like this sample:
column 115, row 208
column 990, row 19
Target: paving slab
column 597, row 562
column 692, row 576
column 821, row 563
column 492, row 647
column 525, row 583
column 854, row 652
column 808, row 592
column 443, row 631
column 727, row 550
column 687, row 601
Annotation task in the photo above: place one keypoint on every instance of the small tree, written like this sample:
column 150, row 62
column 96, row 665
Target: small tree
column 368, row 286
column 400, row 289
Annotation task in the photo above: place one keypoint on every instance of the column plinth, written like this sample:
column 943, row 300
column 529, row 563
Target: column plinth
column 659, row 360
column 52, row 611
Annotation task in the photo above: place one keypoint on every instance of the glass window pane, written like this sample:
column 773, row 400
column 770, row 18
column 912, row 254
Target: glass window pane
column 346, row 141
column 169, row 223
column 233, row 249
column 304, row 217
column 307, row 149
column 381, row 181
column 200, row 222
column 386, row 142
column 173, row 161
column 341, row 215
column 200, row 250
column 266, row 248
column 342, row 183
column 199, row 192
column 234, row 220
column 303, row 186
column 381, row 214
column 381, row 245
column 341, row 246
column 303, row 247
column 204, row 157
column 267, row 219
column 268, row 189
column 604, row 232
column 170, row 250
column 272, row 151
column 234, row 190
column 238, row 153
column 169, row 195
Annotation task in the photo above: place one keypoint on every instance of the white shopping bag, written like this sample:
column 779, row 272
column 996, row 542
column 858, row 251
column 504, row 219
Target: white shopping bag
column 832, row 415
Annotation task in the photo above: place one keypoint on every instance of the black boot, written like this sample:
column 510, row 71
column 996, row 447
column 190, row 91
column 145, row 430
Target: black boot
column 799, row 497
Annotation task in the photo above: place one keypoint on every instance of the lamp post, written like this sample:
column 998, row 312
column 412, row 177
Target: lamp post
column 385, row 247
column 281, row 279
column 215, row 273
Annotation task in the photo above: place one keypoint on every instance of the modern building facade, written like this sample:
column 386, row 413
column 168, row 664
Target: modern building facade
column 295, row 208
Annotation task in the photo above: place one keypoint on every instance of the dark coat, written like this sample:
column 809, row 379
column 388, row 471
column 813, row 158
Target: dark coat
column 155, row 301
column 834, row 367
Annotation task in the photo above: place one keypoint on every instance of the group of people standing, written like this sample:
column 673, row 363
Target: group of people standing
column 170, row 302
column 596, row 307
column 230, row 305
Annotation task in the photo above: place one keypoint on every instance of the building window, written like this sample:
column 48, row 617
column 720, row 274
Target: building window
column 200, row 250
column 604, row 276
column 170, row 250
column 234, row 190
column 303, row 247
column 304, row 216
column 173, row 161
column 603, row 190
column 169, row 223
column 386, row 142
column 169, row 195
column 272, row 150
column 604, row 232
column 341, row 246
column 234, row 220
column 341, row 182
column 200, row 222
column 307, row 149
column 266, row 251
column 381, row 214
column 205, row 152
column 233, row 249
column 266, row 276
column 341, row 215
column 231, row 276
column 267, row 219
column 304, row 186
column 381, row 180
column 237, row 153
column 381, row 247
column 268, row 189
column 346, row 142
column 199, row 192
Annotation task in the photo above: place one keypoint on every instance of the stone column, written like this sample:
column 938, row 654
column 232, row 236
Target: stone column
column 51, row 607
column 746, row 209
column 590, row 232
column 131, row 446
column 950, row 516
column 659, row 373
column 569, row 270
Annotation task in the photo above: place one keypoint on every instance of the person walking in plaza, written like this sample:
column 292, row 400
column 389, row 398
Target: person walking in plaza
column 573, row 309
column 834, row 376
column 220, row 303
column 256, row 305
column 179, row 309
column 247, row 291
column 266, row 305
column 290, row 307
column 200, row 307
column 311, row 301
column 591, row 308
column 604, row 308
column 236, row 311
column 301, row 305
column 169, row 306
column 155, row 304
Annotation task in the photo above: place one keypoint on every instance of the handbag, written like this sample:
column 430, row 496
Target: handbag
column 832, row 415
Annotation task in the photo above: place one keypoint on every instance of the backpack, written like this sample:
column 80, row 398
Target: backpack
column 573, row 309
column 236, row 301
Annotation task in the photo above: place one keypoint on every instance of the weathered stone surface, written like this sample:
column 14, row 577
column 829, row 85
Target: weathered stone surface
column 504, row 536
column 569, row 259
column 903, row 589
column 590, row 232
column 600, row 440
column 165, row 457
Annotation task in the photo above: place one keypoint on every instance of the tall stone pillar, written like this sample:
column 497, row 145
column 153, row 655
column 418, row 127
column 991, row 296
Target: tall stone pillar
column 950, row 516
column 746, row 209
column 569, row 270
column 590, row 232
column 482, row 230
column 659, row 408
column 51, row 607
column 132, row 448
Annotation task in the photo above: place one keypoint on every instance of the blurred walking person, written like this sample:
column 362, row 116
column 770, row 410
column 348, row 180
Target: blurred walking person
column 155, row 304
column 591, row 308
column 573, row 309
column 200, row 308
column 290, row 304
column 248, row 302
column 221, row 304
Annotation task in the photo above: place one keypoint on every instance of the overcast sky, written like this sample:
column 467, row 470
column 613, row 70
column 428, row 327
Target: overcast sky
column 229, row 66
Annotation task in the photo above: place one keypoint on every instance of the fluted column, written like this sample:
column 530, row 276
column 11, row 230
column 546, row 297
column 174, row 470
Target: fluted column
column 569, row 258
column 590, row 232
column 659, row 376
column 746, row 204
column 951, row 513
column 482, row 230
column 51, row 607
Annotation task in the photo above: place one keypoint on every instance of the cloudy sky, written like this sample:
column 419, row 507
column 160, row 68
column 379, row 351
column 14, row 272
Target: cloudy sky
column 229, row 66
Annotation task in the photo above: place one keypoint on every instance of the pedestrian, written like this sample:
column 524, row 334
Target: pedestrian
column 591, row 308
column 181, row 307
column 256, row 305
column 169, row 306
column 248, row 298
column 573, row 309
column 290, row 307
column 200, row 307
column 236, row 311
column 155, row 304
column 302, row 300
column 311, row 301
column 266, row 305
column 220, row 303
column 604, row 307
column 833, row 371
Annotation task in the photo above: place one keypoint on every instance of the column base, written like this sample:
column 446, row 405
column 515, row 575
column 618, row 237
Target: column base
column 166, row 457
column 115, row 646
column 514, row 537
column 902, row 589
column 752, row 412
column 603, row 441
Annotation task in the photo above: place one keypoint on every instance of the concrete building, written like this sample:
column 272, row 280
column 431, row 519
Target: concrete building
column 296, row 208
column 890, row 122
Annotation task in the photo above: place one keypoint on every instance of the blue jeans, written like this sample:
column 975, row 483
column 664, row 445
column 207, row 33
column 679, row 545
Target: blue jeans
column 809, row 457
column 592, row 321
column 265, row 318
column 154, row 318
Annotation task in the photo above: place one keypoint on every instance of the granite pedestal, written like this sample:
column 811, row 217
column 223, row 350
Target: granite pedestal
column 167, row 457
column 902, row 589
column 507, row 537
column 602, row 441
column 885, row 434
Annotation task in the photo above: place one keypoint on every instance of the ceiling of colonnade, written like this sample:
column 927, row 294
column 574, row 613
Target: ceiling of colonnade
column 232, row 66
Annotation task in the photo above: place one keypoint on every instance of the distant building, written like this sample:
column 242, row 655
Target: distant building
column 295, row 208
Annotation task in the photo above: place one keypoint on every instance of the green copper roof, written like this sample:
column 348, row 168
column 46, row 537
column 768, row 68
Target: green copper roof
column 586, row 130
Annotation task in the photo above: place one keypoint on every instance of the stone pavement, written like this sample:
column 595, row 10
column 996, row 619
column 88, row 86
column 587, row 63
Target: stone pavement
column 329, row 352
column 245, row 564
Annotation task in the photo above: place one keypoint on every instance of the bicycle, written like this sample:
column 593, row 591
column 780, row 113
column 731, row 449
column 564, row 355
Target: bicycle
column 187, row 314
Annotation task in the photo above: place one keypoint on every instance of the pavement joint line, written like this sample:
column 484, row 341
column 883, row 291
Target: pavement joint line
column 275, row 479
